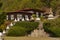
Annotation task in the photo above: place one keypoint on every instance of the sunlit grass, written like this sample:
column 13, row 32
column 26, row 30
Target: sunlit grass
column 27, row 38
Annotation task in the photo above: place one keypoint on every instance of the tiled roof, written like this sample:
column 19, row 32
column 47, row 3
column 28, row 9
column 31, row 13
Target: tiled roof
column 27, row 10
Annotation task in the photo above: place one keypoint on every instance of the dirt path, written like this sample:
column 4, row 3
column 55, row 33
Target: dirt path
column 30, row 38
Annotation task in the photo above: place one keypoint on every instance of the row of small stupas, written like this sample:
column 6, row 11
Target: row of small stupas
column 26, row 14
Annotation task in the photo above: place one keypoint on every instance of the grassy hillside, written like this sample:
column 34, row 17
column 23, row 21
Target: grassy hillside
column 13, row 5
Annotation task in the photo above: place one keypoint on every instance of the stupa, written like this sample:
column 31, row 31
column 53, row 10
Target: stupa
column 50, row 16
column 22, row 19
column 15, row 20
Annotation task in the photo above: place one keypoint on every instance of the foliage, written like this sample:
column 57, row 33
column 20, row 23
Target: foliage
column 52, row 27
column 22, row 28
column 34, row 16
column 55, row 5
column 2, row 17
column 13, row 5
column 2, row 27
column 2, row 20
column 42, row 18
column 46, row 3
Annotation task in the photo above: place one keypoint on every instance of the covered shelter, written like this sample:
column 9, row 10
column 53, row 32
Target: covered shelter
column 24, row 14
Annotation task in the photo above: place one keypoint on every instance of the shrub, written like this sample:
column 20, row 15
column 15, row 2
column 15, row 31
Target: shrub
column 2, row 20
column 52, row 27
column 22, row 28
column 2, row 27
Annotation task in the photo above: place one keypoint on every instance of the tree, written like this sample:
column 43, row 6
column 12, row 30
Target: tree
column 2, row 18
column 46, row 3
column 55, row 4
column 13, row 5
column 2, row 15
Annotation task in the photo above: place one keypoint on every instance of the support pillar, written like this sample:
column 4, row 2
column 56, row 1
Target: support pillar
column 20, row 17
column 12, row 17
column 7, row 17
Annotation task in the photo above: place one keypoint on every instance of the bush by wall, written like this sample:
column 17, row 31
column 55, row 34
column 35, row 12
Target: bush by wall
column 2, row 27
column 52, row 27
column 22, row 28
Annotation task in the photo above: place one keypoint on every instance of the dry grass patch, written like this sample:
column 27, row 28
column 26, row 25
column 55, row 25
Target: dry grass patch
column 27, row 38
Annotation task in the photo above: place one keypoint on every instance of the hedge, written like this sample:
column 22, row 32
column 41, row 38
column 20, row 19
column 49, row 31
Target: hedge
column 52, row 27
column 22, row 28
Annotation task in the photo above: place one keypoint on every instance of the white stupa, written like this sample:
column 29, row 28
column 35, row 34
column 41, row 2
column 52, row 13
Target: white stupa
column 11, row 24
column 15, row 20
column 4, row 31
column 7, row 27
column 37, row 19
column 27, row 19
column 51, row 16
column 22, row 19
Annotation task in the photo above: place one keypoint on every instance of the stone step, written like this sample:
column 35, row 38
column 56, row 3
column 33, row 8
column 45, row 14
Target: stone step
column 37, row 33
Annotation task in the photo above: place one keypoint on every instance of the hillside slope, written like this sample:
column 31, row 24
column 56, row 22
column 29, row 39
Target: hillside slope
column 13, row 5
